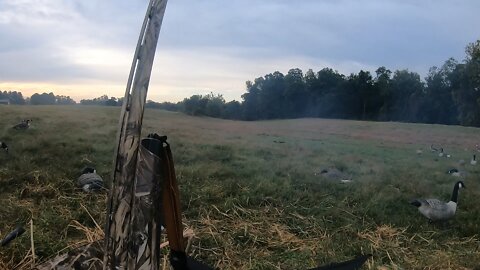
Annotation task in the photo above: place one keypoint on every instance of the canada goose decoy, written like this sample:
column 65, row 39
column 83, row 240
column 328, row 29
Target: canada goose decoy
column 19, row 230
column 89, row 180
column 443, row 154
column 455, row 172
column 436, row 210
column 452, row 171
column 353, row 264
column 474, row 160
column 4, row 146
column 23, row 125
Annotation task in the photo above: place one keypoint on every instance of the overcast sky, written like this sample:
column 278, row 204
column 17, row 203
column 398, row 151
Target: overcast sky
column 84, row 48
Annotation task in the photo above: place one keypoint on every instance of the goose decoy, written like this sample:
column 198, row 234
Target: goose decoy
column 23, row 125
column 436, row 210
column 353, row 264
column 443, row 154
column 455, row 172
column 4, row 146
column 433, row 149
column 452, row 171
column 19, row 230
column 474, row 160
column 89, row 180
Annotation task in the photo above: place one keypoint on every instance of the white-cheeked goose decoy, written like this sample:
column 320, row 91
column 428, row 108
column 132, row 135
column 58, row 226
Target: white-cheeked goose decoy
column 436, row 210
column 23, row 125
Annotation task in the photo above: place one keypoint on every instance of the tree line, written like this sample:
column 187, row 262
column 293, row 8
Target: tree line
column 15, row 97
column 449, row 94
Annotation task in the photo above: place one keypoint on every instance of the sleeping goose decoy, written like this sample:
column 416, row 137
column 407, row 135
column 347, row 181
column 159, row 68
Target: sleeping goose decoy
column 456, row 173
column 436, row 210
column 4, row 146
column 23, row 125
column 353, row 264
column 89, row 180
column 474, row 160
column 451, row 171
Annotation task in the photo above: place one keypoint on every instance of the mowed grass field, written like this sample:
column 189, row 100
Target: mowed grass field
column 251, row 191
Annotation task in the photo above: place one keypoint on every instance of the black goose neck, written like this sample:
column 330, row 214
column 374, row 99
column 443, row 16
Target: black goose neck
column 455, row 193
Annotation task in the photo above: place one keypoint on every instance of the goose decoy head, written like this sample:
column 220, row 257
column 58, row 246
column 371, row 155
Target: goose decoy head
column 416, row 203
column 460, row 184
column 88, row 170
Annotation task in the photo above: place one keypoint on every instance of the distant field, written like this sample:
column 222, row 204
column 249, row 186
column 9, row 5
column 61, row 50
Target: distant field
column 251, row 191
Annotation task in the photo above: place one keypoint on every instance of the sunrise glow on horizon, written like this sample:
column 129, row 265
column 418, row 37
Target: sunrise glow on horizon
column 84, row 49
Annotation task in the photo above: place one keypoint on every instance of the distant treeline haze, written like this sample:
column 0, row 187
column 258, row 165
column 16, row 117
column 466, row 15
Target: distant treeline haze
column 449, row 94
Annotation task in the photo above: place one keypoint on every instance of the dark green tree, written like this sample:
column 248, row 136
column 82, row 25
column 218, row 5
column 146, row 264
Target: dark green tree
column 195, row 105
column 111, row 102
column 251, row 102
column 295, row 94
column 43, row 99
column 465, row 82
column 13, row 97
column 368, row 95
column 215, row 105
column 64, row 100
column 382, row 82
column 438, row 105
column 271, row 96
column 233, row 110
column 327, row 93
column 407, row 92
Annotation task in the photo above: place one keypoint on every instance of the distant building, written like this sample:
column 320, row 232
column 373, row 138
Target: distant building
column 4, row 102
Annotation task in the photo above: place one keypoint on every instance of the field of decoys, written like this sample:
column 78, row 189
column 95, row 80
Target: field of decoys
column 281, row 194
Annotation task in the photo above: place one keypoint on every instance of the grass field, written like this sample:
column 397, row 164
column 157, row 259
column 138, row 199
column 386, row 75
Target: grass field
column 253, row 203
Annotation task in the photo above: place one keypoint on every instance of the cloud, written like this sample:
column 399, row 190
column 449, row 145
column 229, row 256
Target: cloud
column 216, row 45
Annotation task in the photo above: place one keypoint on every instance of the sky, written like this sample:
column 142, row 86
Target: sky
column 84, row 48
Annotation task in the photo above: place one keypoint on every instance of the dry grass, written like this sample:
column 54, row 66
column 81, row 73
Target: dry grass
column 252, row 203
